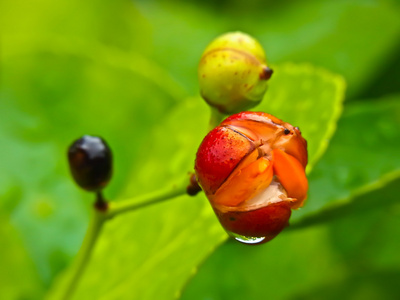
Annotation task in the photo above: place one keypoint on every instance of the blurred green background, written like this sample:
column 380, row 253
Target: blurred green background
column 126, row 70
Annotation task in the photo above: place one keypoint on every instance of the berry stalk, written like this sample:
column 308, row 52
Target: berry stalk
column 83, row 257
column 119, row 207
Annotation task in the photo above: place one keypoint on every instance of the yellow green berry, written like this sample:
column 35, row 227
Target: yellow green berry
column 233, row 73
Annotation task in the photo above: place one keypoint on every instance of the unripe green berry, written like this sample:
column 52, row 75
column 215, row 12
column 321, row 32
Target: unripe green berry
column 233, row 73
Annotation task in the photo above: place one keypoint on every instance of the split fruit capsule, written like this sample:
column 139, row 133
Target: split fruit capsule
column 252, row 170
column 90, row 162
column 233, row 73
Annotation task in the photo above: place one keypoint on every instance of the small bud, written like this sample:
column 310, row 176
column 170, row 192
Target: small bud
column 252, row 170
column 233, row 73
column 90, row 162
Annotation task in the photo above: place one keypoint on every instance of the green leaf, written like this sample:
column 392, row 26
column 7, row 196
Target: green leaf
column 353, row 257
column 363, row 155
column 152, row 252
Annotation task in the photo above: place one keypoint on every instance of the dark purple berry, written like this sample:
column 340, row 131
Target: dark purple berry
column 90, row 162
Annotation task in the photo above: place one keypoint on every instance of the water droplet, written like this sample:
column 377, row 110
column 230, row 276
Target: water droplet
column 247, row 239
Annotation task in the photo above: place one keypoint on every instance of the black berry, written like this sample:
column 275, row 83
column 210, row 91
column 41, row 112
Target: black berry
column 90, row 162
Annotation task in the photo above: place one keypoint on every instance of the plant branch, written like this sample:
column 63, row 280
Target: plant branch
column 116, row 208
column 215, row 118
column 96, row 224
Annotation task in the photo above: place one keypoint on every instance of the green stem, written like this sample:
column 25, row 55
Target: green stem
column 96, row 224
column 116, row 208
column 215, row 118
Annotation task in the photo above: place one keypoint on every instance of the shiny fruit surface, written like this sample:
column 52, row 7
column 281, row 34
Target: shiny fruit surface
column 90, row 162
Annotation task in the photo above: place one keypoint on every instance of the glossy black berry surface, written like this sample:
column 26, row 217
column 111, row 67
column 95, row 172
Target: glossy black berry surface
column 90, row 162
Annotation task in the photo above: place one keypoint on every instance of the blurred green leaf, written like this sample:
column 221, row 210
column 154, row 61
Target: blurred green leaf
column 152, row 252
column 39, row 205
column 353, row 257
column 116, row 24
column 353, row 38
